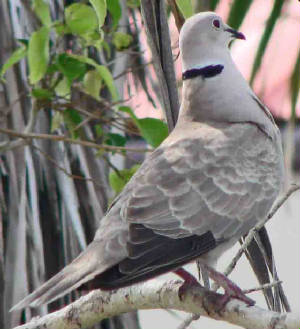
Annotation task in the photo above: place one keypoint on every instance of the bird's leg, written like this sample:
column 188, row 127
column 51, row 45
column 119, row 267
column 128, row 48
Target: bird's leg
column 189, row 280
column 231, row 289
column 186, row 276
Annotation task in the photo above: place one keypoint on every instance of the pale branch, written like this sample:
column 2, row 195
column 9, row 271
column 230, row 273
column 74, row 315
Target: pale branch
column 259, row 225
column 262, row 287
column 58, row 138
column 156, row 294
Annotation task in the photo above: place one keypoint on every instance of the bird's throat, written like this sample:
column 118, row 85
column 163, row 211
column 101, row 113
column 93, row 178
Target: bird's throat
column 205, row 72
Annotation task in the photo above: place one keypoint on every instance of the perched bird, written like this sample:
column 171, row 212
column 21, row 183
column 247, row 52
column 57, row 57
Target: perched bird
column 215, row 176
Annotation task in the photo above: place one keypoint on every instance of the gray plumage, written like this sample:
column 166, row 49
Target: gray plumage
column 209, row 182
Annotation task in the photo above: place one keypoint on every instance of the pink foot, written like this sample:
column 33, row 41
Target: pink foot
column 231, row 289
column 189, row 280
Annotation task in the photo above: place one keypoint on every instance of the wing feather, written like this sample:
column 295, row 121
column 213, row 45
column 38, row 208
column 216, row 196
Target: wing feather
column 190, row 195
column 201, row 182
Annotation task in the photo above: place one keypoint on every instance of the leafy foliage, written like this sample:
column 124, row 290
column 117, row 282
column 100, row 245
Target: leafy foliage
column 16, row 56
column 100, row 9
column 153, row 130
column 38, row 54
column 186, row 8
column 42, row 11
column 122, row 40
column 60, row 67
column 119, row 179
column 80, row 18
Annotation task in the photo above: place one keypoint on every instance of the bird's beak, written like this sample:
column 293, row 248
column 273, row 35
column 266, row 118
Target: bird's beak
column 235, row 34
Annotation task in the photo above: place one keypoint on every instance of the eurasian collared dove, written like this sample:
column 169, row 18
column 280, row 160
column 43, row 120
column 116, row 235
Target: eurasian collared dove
column 208, row 183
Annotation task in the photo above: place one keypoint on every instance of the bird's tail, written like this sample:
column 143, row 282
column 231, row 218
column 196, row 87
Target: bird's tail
column 84, row 268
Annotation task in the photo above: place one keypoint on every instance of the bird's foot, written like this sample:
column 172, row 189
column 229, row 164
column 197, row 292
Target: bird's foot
column 231, row 289
column 189, row 280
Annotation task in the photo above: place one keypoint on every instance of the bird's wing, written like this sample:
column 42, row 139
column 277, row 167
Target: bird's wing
column 211, row 186
column 216, row 181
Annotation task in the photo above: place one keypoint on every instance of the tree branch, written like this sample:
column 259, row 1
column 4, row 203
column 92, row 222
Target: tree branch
column 155, row 294
column 58, row 138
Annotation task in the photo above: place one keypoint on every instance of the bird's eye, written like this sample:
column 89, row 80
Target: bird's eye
column 216, row 23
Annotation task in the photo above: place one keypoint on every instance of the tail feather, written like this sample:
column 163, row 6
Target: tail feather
column 84, row 268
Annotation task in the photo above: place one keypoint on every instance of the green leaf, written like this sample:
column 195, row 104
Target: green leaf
column 115, row 139
column 114, row 8
column 275, row 14
column 14, row 58
column 118, row 180
column 122, row 40
column 104, row 72
column 63, row 88
column 109, row 81
column 38, row 54
column 94, row 39
column 70, row 66
column 42, row 93
column 52, row 68
column 100, row 9
column 81, row 18
column 84, row 59
column 128, row 110
column 41, row 9
column 24, row 42
column 295, row 86
column 238, row 12
column 92, row 83
column 60, row 28
column 186, row 8
column 72, row 119
column 153, row 130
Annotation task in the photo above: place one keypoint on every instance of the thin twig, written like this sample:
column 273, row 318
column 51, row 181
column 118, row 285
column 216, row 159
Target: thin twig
column 262, row 287
column 9, row 145
column 58, row 138
column 50, row 159
column 132, row 69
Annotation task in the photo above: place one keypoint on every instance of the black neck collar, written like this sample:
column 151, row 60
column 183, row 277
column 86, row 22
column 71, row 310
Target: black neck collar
column 205, row 72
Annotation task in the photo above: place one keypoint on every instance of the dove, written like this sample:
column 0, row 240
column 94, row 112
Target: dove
column 210, row 181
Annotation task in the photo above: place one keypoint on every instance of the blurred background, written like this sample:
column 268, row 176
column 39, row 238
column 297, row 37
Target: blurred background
column 87, row 74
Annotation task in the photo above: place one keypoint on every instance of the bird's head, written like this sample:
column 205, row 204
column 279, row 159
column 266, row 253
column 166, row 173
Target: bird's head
column 204, row 39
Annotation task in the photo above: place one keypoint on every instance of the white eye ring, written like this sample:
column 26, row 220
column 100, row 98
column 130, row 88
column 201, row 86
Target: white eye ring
column 216, row 24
